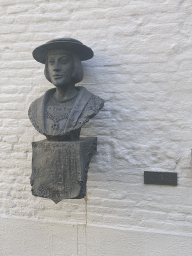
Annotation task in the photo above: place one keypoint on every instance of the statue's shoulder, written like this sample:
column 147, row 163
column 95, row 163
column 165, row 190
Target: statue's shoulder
column 39, row 102
column 36, row 110
column 32, row 112
column 92, row 107
column 95, row 102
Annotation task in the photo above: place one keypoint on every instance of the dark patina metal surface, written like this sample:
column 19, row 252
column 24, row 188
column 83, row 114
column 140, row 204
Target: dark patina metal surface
column 59, row 169
column 60, row 163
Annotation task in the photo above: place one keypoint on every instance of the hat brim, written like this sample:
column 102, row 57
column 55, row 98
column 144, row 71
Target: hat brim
column 40, row 53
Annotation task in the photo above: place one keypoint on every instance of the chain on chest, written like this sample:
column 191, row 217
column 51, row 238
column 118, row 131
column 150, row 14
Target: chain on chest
column 57, row 112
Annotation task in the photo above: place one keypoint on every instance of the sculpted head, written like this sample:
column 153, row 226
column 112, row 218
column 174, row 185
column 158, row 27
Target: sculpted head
column 62, row 67
column 62, row 58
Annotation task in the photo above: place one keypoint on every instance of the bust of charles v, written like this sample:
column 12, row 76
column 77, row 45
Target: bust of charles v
column 61, row 112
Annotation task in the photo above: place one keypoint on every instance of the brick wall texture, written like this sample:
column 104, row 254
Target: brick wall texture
column 142, row 68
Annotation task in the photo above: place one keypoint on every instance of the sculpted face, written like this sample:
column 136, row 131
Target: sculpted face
column 60, row 68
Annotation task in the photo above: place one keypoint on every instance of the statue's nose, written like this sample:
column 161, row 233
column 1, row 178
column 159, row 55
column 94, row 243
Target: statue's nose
column 56, row 66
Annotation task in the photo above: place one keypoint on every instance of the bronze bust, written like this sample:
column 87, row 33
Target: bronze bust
column 60, row 163
column 61, row 112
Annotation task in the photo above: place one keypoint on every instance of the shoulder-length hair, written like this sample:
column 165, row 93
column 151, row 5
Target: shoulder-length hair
column 77, row 74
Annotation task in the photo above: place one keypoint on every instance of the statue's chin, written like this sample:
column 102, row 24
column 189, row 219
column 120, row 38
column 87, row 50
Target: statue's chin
column 62, row 86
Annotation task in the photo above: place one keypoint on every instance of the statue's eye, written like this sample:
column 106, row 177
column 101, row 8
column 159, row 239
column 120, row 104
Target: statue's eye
column 64, row 60
column 51, row 61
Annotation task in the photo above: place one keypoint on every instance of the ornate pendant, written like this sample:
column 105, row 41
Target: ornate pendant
column 55, row 126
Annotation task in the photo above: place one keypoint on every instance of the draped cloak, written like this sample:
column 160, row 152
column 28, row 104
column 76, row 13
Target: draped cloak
column 86, row 106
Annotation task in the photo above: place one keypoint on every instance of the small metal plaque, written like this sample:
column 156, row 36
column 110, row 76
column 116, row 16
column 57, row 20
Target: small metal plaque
column 160, row 178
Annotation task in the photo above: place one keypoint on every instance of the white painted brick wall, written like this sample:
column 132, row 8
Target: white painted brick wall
column 142, row 68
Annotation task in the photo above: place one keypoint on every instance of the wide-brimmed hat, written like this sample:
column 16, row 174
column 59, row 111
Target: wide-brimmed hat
column 73, row 45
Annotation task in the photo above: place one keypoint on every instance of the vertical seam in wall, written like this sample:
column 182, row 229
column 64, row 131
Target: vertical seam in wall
column 77, row 240
column 52, row 247
column 86, row 198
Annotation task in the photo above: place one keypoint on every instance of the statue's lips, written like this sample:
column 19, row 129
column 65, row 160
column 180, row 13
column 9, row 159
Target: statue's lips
column 57, row 76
